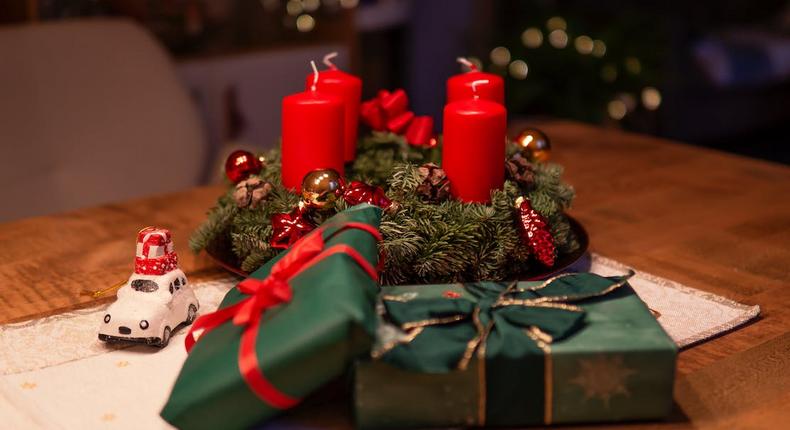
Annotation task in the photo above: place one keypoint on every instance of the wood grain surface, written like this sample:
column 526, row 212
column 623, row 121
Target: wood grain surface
column 713, row 221
column 49, row 263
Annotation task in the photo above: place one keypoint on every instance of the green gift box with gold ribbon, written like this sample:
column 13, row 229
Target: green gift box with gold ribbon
column 295, row 324
column 574, row 348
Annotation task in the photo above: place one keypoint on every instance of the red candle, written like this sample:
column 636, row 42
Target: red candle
column 348, row 88
column 312, row 129
column 474, row 148
column 459, row 87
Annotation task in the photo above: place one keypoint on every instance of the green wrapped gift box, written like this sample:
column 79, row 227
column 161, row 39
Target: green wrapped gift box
column 576, row 348
column 315, row 322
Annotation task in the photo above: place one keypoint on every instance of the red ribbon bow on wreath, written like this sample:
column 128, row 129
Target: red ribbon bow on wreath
column 267, row 293
column 359, row 192
column 389, row 112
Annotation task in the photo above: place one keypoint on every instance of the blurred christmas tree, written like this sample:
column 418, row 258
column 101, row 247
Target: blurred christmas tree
column 595, row 65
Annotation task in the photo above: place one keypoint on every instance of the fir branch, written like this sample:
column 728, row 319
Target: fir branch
column 214, row 226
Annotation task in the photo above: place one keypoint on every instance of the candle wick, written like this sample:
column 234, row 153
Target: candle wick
column 474, row 87
column 463, row 60
column 315, row 75
column 328, row 60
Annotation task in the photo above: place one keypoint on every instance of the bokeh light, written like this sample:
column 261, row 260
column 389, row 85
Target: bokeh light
column 500, row 56
column 609, row 72
column 558, row 39
column 311, row 5
column 599, row 48
column 532, row 37
column 616, row 109
column 294, row 7
column 518, row 69
column 305, row 23
column 651, row 98
column 633, row 65
column 584, row 45
column 629, row 100
column 349, row 4
column 556, row 23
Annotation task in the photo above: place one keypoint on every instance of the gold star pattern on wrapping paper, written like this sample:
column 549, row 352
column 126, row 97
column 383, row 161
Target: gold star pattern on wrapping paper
column 603, row 377
column 108, row 417
column 28, row 385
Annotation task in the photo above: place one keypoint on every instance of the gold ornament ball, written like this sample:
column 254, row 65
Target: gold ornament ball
column 534, row 144
column 321, row 188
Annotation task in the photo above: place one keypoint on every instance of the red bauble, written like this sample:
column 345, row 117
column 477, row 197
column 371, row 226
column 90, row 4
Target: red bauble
column 534, row 230
column 241, row 164
column 359, row 192
column 290, row 227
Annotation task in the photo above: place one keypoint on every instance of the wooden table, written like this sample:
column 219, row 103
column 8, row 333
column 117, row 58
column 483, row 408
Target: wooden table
column 710, row 220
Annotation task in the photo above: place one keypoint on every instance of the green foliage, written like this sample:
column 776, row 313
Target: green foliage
column 379, row 153
column 423, row 242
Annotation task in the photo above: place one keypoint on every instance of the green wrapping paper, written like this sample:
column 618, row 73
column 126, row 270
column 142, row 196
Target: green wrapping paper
column 578, row 348
column 301, row 345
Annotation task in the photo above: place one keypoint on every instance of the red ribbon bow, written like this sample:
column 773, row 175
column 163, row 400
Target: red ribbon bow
column 389, row 112
column 359, row 192
column 267, row 293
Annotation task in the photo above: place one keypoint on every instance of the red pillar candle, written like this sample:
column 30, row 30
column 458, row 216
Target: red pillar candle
column 474, row 148
column 312, row 133
column 348, row 88
column 459, row 87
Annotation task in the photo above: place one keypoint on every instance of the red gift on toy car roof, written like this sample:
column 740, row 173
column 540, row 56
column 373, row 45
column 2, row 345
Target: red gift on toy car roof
column 155, row 252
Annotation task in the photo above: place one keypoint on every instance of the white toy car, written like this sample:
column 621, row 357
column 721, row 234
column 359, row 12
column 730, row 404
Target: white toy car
column 156, row 299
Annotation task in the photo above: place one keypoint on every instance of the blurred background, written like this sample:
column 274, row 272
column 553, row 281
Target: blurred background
column 104, row 100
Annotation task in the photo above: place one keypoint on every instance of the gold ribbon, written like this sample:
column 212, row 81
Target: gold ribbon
column 98, row 293
column 476, row 347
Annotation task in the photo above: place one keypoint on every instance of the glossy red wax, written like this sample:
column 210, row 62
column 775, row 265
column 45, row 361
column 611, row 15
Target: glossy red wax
column 349, row 88
column 459, row 87
column 473, row 155
column 312, row 133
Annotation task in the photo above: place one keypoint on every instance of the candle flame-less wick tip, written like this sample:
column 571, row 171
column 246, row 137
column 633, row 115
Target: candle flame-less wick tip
column 328, row 60
column 475, row 84
column 315, row 75
column 463, row 60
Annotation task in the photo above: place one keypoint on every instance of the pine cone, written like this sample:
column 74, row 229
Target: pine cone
column 520, row 170
column 435, row 186
column 534, row 230
column 251, row 192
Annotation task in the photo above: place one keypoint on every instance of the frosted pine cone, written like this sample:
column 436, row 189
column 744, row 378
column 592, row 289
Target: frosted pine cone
column 435, row 186
column 251, row 192
column 520, row 170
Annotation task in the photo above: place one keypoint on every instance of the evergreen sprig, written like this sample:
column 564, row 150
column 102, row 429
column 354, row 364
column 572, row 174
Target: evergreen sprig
column 423, row 242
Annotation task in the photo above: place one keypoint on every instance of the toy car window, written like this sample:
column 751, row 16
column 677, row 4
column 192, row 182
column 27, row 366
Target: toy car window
column 178, row 282
column 144, row 285
column 183, row 281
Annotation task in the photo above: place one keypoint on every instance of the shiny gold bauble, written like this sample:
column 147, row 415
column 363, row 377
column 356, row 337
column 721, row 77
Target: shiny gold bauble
column 534, row 144
column 321, row 188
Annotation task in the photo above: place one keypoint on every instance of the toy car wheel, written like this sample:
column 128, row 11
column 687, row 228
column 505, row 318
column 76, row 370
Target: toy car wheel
column 165, row 338
column 191, row 314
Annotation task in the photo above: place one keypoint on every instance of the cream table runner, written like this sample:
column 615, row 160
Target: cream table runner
column 55, row 374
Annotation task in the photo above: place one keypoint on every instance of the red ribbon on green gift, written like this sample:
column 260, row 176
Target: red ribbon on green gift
column 272, row 291
column 389, row 111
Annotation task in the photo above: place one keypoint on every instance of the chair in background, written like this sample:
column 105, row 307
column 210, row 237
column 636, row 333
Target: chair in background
column 91, row 111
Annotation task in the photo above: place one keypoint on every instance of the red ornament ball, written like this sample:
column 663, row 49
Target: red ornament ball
column 241, row 164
